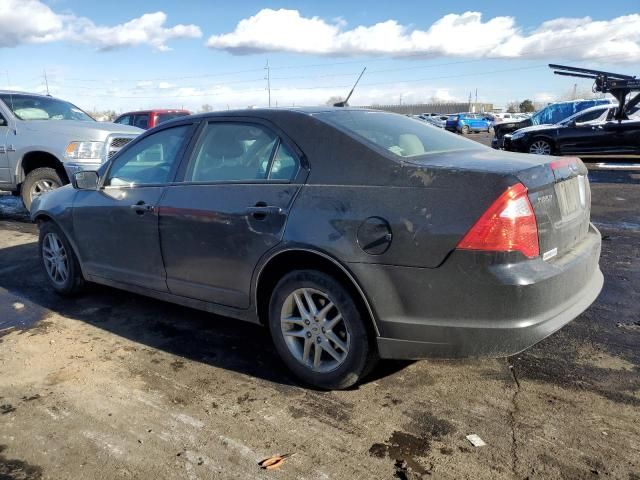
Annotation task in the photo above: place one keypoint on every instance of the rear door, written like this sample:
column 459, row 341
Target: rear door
column 622, row 137
column 116, row 226
column 229, row 209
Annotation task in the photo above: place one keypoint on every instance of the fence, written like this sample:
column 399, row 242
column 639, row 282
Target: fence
column 417, row 108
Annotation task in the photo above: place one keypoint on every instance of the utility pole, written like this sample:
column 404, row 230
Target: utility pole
column 400, row 99
column 268, row 79
column 46, row 82
column 476, row 95
column 575, row 89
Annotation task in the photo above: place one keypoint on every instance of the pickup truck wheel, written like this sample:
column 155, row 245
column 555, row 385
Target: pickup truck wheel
column 319, row 332
column 37, row 182
column 60, row 263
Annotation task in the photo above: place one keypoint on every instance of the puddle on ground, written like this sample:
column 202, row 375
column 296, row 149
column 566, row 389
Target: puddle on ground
column 405, row 448
column 17, row 313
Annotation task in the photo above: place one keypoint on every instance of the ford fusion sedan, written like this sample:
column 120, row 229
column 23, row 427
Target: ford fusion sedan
column 351, row 234
column 593, row 131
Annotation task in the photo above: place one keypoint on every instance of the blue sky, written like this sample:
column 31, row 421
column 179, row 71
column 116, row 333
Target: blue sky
column 431, row 49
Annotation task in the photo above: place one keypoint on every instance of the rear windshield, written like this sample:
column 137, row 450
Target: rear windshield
column 398, row 134
column 165, row 117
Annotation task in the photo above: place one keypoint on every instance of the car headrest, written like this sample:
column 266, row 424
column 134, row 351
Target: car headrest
column 410, row 145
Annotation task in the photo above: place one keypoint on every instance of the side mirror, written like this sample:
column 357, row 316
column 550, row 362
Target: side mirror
column 85, row 180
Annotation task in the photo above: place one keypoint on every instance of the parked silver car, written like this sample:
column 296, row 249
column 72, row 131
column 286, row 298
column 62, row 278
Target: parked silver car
column 44, row 140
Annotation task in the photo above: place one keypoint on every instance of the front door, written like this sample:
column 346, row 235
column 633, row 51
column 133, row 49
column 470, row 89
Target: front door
column 5, row 170
column 116, row 226
column 229, row 210
column 585, row 134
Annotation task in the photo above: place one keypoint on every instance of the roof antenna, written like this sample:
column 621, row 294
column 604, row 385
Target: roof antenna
column 345, row 102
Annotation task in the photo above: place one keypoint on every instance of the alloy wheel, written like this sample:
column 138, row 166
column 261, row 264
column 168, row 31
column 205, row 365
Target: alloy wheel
column 42, row 186
column 56, row 260
column 314, row 330
column 540, row 147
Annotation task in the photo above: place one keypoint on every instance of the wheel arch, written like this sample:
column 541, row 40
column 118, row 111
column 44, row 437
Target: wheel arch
column 300, row 258
column 40, row 159
column 42, row 217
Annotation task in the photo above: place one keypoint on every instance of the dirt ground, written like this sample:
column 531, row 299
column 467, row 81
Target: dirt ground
column 115, row 385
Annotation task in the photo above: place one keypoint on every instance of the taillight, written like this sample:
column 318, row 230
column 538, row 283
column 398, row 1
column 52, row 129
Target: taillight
column 508, row 225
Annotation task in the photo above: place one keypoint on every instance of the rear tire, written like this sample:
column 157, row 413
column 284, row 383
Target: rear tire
column 540, row 146
column 37, row 182
column 60, row 264
column 319, row 331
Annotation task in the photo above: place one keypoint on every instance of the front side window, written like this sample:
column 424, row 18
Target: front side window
column 125, row 120
column 233, row 152
column 150, row 160
column 400, row 135
column 34, row 107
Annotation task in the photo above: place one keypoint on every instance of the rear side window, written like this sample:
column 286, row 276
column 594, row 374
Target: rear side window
column 142, row 121
column 397, row 134
column 240, row 152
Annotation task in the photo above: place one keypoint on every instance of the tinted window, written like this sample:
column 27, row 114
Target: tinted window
column 397, row 134
column 589, row 116
column 232, row 152
column 150, row 160
column 33, row 107
column 142, row 121
column 125, row 120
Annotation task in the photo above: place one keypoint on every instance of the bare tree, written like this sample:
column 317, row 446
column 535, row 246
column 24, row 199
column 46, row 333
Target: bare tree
column 513, row 107
column 206, row 108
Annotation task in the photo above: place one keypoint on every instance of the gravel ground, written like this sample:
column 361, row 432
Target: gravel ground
column 115, row 385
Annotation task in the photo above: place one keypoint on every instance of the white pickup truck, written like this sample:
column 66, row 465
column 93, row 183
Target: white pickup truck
column 44, row 140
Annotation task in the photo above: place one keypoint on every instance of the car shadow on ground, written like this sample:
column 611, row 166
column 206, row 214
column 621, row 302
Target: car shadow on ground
column 199, row 336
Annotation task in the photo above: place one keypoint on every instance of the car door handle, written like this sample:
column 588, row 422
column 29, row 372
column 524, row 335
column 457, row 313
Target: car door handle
column 260, row 212
column 141, row 208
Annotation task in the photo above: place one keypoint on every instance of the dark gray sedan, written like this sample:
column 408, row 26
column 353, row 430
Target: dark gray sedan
column 353, row 234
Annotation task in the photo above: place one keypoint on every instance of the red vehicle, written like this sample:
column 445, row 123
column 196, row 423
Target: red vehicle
column 147, row 119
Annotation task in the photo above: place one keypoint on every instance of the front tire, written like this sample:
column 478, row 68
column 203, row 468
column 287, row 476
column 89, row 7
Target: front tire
column 465, row 129
column 59, row 262
column 319, row 331
column 37, row 182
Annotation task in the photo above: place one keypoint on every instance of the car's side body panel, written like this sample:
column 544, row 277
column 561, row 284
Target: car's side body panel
column 391, row 224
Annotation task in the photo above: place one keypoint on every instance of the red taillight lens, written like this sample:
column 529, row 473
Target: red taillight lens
column 508, row 225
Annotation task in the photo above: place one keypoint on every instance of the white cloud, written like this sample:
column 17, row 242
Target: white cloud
column 31, row 21
column 464, row 35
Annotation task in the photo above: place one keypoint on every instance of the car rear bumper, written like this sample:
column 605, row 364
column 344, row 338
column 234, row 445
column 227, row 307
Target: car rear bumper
column 474, row 306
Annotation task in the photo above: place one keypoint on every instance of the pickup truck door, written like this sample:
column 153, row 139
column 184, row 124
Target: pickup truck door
column 5, row 170
column 116, row 226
